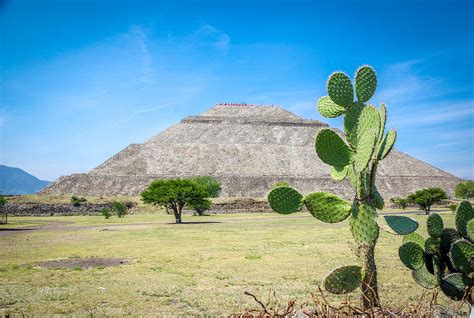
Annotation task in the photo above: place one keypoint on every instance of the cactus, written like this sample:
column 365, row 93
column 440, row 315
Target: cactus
column 356, row 158
column 448, row 258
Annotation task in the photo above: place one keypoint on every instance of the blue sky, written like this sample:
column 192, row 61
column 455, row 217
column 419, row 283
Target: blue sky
column 80, row 80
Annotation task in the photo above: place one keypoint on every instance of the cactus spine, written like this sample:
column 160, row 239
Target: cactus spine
column 446, row 258
column 357, row 159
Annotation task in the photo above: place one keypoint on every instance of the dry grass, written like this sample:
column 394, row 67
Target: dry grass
column 188, row 269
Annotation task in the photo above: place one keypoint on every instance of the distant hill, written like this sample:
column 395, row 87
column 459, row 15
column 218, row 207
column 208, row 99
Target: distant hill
column 17, row 181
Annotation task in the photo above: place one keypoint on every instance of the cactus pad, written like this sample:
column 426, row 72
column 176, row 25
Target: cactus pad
column 351, row 119
column 412, row 255
column 462, row 256
column 369, row 120
column 327, row 108
column 464, row 214
column 340, row 89
column 285, row 200
column 331, row 149
column 424, row 278
column 415, row 238
column 365, row 150
column 435, row 225
column 383, row 120
column 454, row 285
column 448, row 237
column 432, row 245
column 365, row 83
column 379, row 203
column 327, row 207
column 470, row 229
column 339, row 173
column 386, row 145
column 343, row 280
column 363, row 223
column 395, row 224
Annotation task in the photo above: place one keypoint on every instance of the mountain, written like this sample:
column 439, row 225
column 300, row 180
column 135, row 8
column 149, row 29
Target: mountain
column 17, row 181
column 247, row 148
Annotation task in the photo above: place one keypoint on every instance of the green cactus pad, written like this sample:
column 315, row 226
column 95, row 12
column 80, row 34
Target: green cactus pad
column 383, row 120
column 424, row 278
column 340, row 89
column 331, row 149
column 464, row 213
column 435, row 225
column 470, row 229
column 448, row 237
column 400, row 225
column 429, row 263
column 462, row 256
column 432, row 245
column 369, row 120
column 327, row 108
column 386, row 145
column 363, row 224
column 365, row 150
column 327, row 207
column 455, row 285
column 339, row 173
column 285, row 200
column 438, row 268
column 365, row 83
column 411, row 255
column 379, row 202
column 352, row 176
column 343, row 280
column 351, row 119
column 415, row 238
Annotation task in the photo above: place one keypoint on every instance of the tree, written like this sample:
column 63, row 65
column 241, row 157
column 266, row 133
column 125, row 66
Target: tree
column 425, row 198
column 400, row 202
column 464, row 190
column 3, row 201
column 174, row 194
column 210, row 184
column 119, row 208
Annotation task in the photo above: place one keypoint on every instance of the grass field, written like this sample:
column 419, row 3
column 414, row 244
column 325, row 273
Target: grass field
column 190, row 269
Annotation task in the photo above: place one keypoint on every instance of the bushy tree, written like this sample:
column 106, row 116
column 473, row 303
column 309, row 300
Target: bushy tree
column 210, row 184
column 425, row 198
column 175, row 194
column 202, row 207
column 401, row 203
column 105, row 213
column 464, row 190
column 76, row 201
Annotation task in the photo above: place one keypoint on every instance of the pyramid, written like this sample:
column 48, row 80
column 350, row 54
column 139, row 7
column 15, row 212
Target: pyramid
column 247, row 148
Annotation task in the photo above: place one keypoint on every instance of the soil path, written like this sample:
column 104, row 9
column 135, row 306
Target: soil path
column 68, row 225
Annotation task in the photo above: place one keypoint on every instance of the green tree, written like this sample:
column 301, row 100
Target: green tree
column 425, row 198
column 464, row 190
column 174, row 194
column 119, row 208
column 401, row 203
column 210, row 184
column 3, row 201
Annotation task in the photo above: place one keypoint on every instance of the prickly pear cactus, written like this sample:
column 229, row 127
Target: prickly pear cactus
column 354, row 156
column 447, row 260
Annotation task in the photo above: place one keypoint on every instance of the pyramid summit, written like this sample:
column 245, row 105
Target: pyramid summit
column 247, row 148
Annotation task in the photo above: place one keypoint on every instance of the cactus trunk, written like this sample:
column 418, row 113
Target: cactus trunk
column 370, row 295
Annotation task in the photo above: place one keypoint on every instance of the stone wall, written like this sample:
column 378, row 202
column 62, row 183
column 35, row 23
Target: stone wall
column 41, row 209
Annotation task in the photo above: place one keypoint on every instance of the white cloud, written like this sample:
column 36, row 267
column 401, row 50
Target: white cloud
column 206, row 34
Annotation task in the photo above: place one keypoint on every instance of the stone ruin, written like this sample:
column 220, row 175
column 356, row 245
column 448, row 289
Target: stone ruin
column 247, row 148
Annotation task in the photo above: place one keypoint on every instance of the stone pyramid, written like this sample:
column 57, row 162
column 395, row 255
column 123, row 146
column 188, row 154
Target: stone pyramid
column 248, row 148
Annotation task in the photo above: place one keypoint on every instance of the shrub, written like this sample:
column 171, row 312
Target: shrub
column 453, row 207
column 201, row 207
column 280, row 184
column 76, row 201
column 4, row 218
column 210, row 184
column 174, row 194
column 119, row 208
column 425, row 198
column 464, row 190
column 106, row 213
column 444, row 260
column 400, row 203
